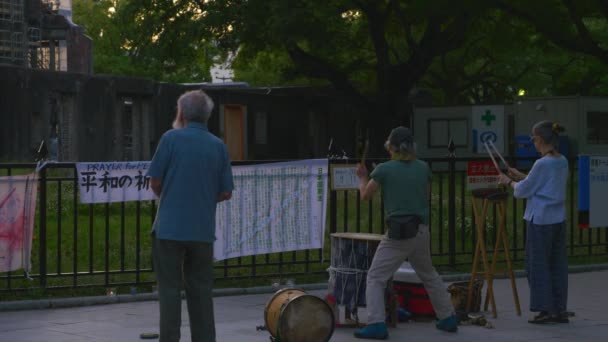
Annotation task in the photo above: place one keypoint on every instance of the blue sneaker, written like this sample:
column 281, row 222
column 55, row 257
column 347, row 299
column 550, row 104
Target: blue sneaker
column 374, row 331
column 449, row 324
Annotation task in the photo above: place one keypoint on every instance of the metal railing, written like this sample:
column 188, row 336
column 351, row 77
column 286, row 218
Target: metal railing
column 108, row 245
column 452, row 221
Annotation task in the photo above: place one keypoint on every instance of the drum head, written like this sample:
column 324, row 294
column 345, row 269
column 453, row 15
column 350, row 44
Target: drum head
column 272, row 311
column 306, row 318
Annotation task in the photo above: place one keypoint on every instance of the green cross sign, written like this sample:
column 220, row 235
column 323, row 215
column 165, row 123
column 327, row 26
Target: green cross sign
column 488, row 117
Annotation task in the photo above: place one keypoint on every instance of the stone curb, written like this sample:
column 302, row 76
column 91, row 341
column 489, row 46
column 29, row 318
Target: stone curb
column 140, row 297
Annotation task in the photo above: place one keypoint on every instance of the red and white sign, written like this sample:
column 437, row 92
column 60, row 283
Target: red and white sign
column 481, row 174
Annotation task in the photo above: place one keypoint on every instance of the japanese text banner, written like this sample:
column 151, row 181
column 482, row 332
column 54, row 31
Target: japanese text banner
column 275, row 207
column 17, row 213
column 104, row 182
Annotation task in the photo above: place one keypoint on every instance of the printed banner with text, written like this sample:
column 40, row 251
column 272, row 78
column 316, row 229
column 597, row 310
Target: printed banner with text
column 275, row 207
column 104, row 182
column 17, row 213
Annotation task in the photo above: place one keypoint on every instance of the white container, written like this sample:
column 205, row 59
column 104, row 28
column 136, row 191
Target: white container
column 406, row 274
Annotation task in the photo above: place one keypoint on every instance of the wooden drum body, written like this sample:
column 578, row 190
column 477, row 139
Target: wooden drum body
column 291, row 315
column 351, row 257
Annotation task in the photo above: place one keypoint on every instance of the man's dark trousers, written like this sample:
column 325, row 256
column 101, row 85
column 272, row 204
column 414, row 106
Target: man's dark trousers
column 190, row 264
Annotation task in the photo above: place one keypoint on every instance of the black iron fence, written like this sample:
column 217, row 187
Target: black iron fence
column 108, row 245
column 452, row 221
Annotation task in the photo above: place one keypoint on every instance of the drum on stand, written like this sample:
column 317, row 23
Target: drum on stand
column 291, row 315
column 351, row 257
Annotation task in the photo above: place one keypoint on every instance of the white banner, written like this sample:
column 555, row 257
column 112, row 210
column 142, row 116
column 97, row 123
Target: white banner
column 104, row 182
column 17, row 213
column 598, row 190
column 488, row 125
column 275, row 207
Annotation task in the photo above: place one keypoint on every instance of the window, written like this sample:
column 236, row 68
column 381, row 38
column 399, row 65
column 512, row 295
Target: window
column 261, row 122
column 596, row 128
column 441, row 130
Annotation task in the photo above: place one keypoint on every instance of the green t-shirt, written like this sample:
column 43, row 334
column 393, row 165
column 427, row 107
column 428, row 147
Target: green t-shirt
column 405, row 187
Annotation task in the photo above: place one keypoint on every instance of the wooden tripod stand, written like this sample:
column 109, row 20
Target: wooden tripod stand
column 482, row 199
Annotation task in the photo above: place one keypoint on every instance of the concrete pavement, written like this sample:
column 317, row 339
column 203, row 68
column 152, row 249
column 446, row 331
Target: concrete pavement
column 238, row 316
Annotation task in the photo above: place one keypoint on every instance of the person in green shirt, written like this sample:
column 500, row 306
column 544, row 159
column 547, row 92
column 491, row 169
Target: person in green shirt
column 405, row 182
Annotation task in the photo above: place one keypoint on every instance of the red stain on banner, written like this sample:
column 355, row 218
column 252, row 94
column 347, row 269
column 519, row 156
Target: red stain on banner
column 17, row 213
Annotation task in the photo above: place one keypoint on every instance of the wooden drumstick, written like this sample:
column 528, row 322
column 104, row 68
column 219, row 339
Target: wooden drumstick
column 364, row 154
column 499, row 155
column 492, row 156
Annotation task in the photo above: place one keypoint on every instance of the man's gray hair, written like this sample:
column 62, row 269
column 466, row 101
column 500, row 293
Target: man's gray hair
column 195, row 105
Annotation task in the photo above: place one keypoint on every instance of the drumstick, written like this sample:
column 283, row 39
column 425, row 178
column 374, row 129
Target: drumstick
column 485, row 143
column 365, row 148
column 499, row 155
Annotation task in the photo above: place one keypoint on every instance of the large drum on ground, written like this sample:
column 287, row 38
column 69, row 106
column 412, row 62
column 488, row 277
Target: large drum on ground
column 351, row 257
column 291, row 315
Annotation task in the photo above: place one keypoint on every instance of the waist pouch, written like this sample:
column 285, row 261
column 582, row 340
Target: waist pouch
column 403, row 227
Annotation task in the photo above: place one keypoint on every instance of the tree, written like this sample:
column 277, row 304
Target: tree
column 503, row 55
column 580, row 30
column 372, row 51
column 578, row 26
column 96, row 18
column 161, row 40
column 375, row 52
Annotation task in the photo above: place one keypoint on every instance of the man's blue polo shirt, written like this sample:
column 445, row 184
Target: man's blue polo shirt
column 194, row 168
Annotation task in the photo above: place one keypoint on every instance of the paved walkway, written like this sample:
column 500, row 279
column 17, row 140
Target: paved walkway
column 238, row 316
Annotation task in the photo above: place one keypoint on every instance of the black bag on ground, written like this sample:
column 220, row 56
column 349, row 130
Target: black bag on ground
column 403, row 227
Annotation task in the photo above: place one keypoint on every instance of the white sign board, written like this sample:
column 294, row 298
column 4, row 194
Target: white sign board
column 598, row 191
column 275, row 207
column 106, row 182
column 481, row 174
column 488, row 125
column 344, row 177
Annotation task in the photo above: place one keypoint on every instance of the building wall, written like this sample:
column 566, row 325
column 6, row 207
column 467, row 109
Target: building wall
column 423, row 134
column 592, row 128
column 571, row 112
column 564, row 110
column 94, row 114
column 86, row 111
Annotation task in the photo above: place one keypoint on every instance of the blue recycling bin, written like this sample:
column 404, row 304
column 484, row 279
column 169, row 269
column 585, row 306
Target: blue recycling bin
column 525, row 148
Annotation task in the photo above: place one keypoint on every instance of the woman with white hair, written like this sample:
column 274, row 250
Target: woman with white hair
column 405, row 182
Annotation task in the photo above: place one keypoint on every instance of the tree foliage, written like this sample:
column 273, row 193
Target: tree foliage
column 504, row 55
column 374, row 51
column 579, row 31
column 162, row 40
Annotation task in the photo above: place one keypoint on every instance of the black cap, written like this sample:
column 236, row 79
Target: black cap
column 400, row 135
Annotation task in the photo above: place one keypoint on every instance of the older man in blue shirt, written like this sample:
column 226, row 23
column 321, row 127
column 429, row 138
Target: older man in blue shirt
column 191, row 173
